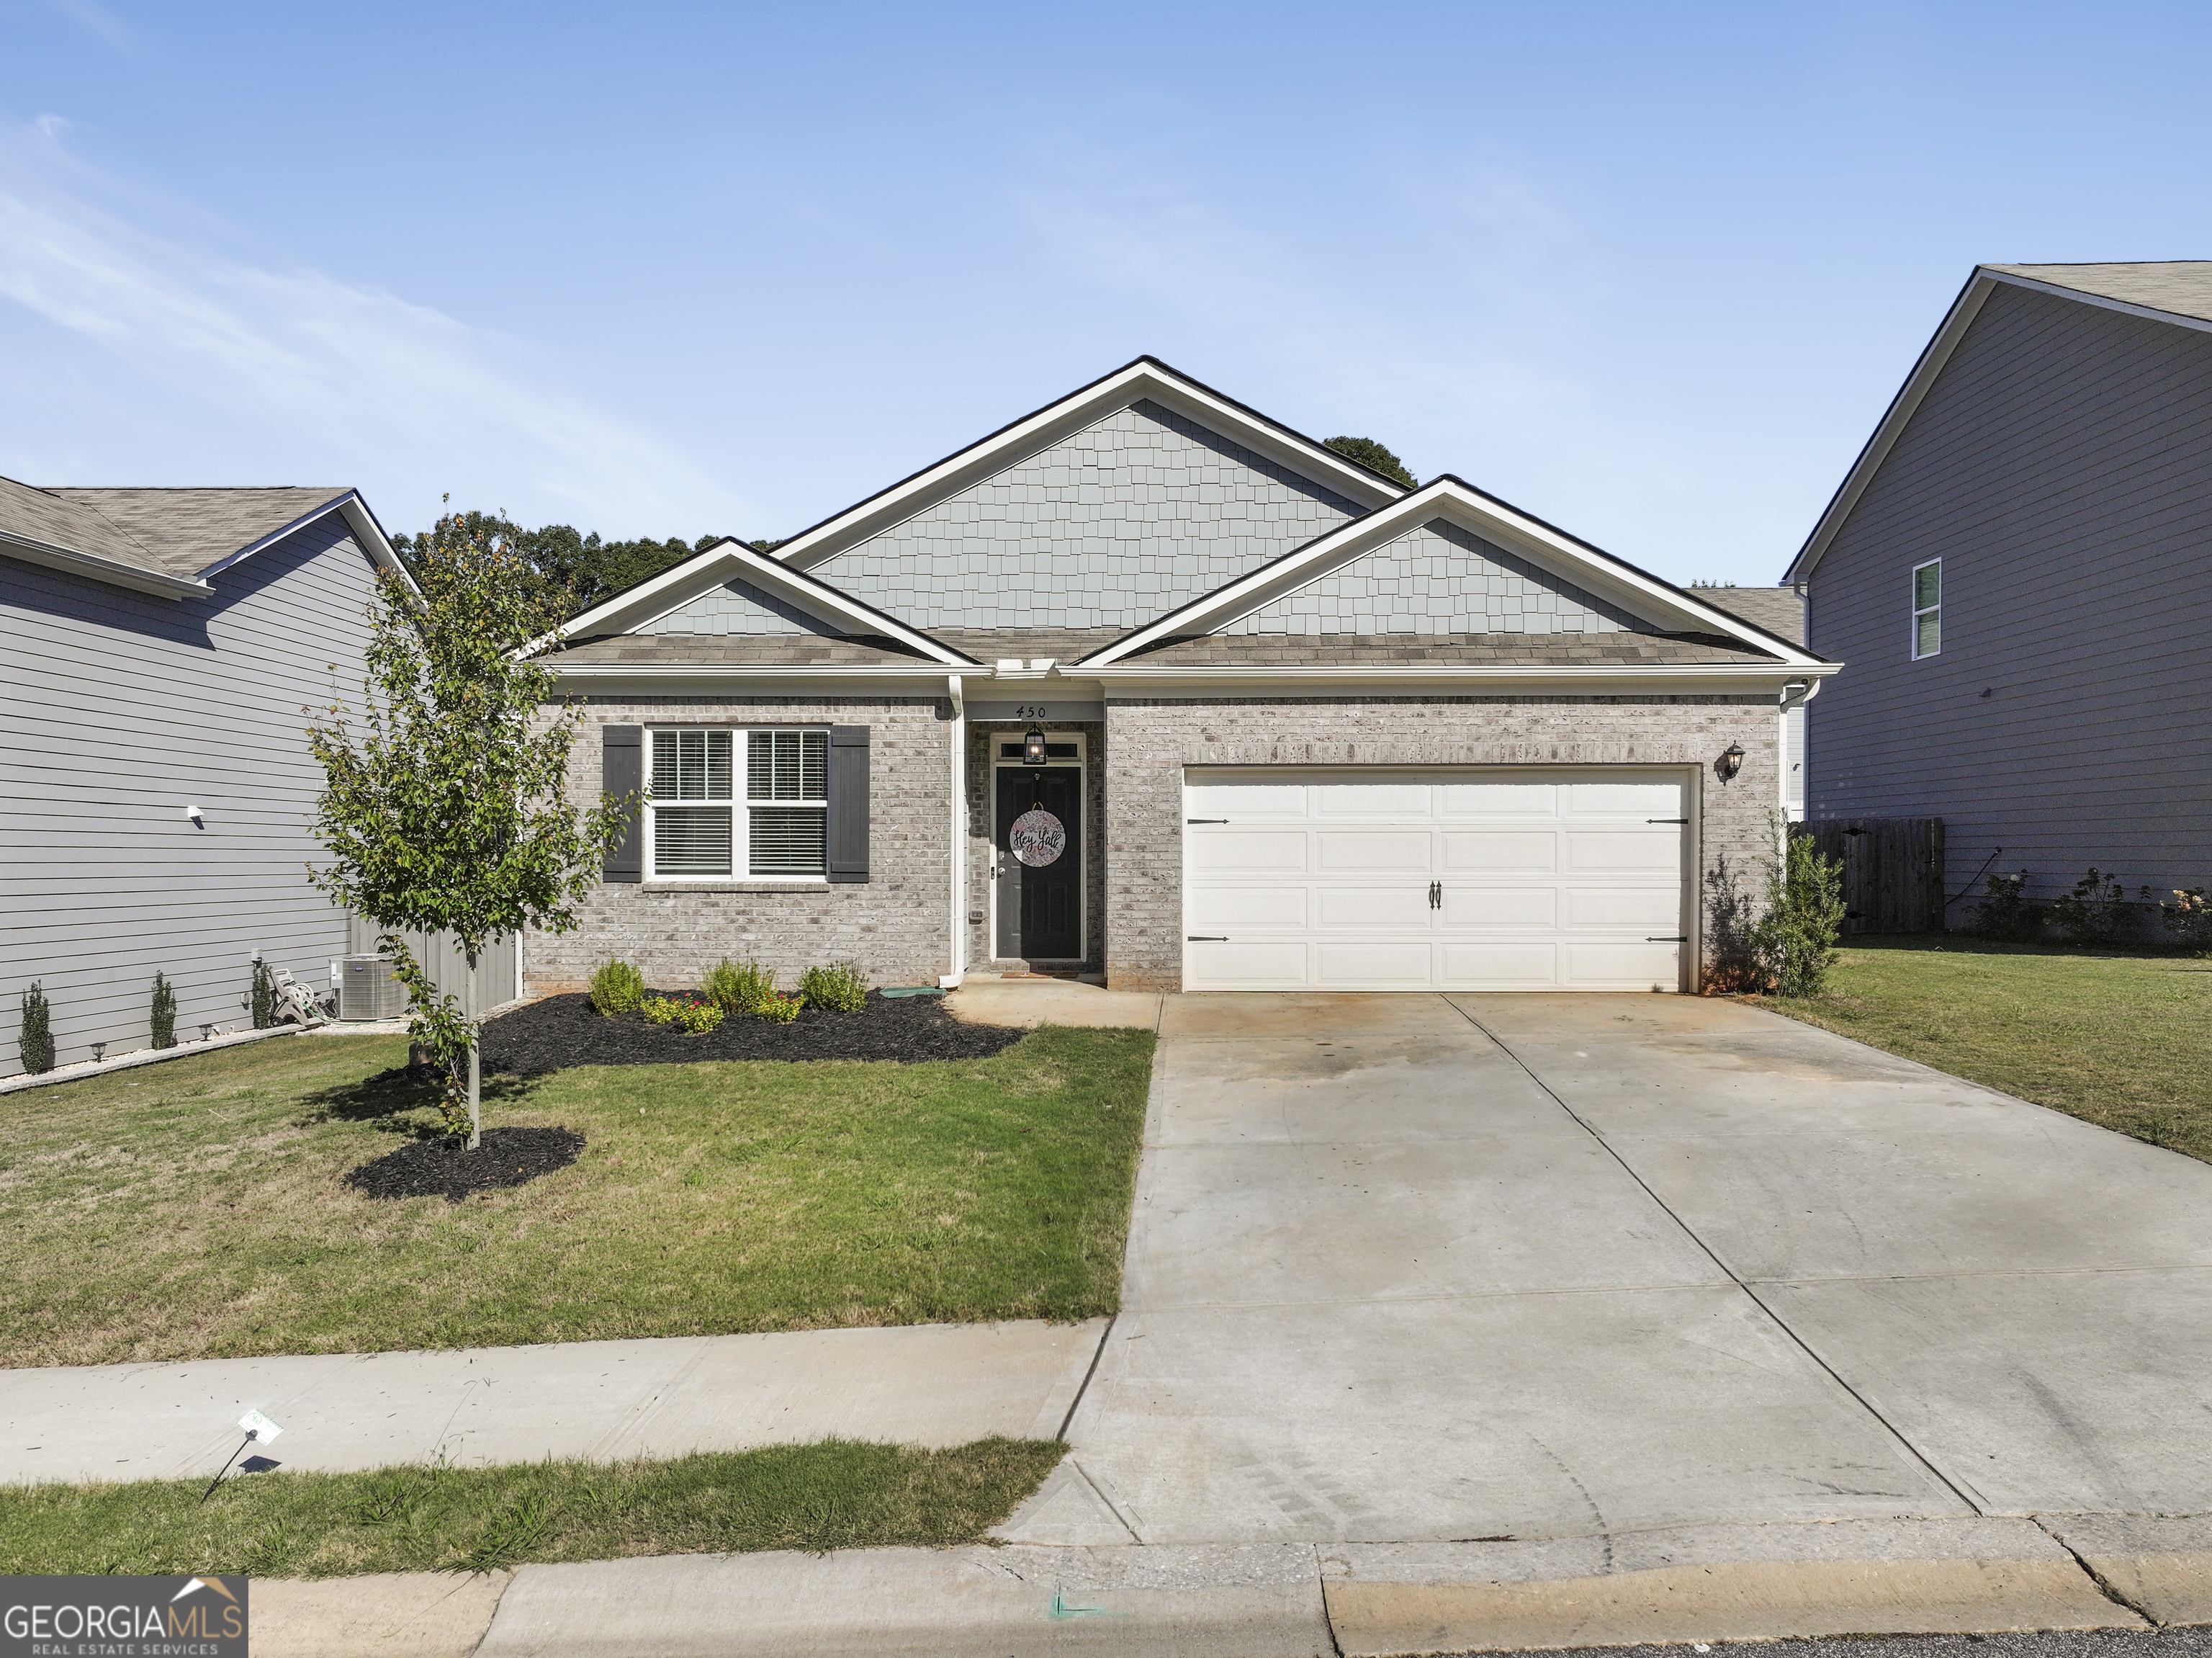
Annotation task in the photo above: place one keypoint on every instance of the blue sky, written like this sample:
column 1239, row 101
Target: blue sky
column 1649, row 271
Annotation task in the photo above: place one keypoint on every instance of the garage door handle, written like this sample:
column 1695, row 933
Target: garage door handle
column 1206, row 820
column 1666, row 819
column 1666, row 941
column 1206, row 938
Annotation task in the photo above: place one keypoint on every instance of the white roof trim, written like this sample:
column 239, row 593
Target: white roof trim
column 359, row 519
column 1145, row 378
column 94, row 568
column 1494, row 520
column 702, row 572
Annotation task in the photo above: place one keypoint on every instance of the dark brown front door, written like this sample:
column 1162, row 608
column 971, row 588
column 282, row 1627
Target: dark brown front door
column 1040, row 904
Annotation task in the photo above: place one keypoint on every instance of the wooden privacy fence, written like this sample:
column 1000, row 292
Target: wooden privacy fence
column 1892, row 870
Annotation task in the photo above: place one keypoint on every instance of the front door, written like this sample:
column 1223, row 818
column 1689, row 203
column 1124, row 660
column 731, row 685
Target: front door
column 1039, row 836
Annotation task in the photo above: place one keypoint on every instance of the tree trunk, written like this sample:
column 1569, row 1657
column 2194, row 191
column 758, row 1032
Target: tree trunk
column 475, row 1077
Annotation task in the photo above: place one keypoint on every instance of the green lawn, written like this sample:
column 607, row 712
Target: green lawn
column 194, row 1209
column 835, row 1495
column 2116, row 1037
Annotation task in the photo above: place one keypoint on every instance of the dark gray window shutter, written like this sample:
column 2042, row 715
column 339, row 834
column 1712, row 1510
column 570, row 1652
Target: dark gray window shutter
column 848, row 802
column 622, row 772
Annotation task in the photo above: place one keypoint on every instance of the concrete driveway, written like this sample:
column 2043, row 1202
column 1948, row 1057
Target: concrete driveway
column 1412, row 1267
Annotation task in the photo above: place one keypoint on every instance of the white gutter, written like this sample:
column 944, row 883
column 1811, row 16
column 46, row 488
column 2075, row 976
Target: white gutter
column 101, row 569
column 928, row 672
column 957, row 957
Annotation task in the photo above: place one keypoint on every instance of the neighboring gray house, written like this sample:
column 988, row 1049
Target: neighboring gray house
column 1150, row 685
column 162, row 648
column 2019, row 568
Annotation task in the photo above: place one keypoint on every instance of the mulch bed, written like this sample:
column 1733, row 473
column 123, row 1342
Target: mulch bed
column 446, row 1168
column 564, row 1030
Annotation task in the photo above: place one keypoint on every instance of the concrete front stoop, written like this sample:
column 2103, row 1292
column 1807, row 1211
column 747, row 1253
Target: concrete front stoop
column 1281, row 1599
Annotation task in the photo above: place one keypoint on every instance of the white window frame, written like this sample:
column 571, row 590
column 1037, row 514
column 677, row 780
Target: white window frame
column 1921, row 612
column 741, row 809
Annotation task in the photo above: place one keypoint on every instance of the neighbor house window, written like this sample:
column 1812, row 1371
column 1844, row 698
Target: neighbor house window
column 1928, row 608
column 706, row 820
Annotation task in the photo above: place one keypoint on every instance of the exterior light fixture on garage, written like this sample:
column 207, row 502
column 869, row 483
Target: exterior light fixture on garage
column 1033, row 746
column 1731, row 762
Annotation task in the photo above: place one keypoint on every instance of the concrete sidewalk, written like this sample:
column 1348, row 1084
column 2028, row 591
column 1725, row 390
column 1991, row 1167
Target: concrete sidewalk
column 935, row 1385
column 1276, row 1599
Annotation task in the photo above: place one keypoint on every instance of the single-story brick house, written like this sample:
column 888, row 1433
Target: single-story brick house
column 1148, row 685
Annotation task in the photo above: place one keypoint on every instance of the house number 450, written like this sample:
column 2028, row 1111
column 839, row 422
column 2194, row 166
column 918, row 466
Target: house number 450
column 1030, row 712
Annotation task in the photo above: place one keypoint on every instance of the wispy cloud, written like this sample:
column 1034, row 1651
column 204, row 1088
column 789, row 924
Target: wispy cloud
column 386, row 387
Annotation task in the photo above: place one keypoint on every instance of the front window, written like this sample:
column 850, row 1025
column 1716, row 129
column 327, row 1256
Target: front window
column 1928, row 608
column 703, row 824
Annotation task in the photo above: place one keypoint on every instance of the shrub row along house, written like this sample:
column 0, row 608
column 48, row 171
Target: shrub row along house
column 1148, row 685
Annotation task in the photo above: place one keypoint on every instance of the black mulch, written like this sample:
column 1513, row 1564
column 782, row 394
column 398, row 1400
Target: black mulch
column 446, row 1168
column 564, row 1030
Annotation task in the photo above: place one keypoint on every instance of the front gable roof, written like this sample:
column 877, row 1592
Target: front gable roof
column 2174, row 291
column 1499, row 572
column 730, row 577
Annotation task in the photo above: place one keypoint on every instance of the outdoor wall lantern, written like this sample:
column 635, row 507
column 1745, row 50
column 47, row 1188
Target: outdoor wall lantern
column 1731, row 762
column 1033, row 746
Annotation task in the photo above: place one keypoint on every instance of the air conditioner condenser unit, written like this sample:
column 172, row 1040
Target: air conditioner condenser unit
column 367, row 989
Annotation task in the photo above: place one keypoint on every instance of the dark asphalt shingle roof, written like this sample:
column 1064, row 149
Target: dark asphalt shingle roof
column 50, row 519
column 2181, row 286
column 1470, row 649
column 188, row 529
column 737, row 651
column 1778, row 610
column 1062, row 644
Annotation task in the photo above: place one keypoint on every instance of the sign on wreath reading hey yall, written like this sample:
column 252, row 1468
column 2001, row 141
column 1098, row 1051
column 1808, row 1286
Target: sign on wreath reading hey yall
column 1037, row 837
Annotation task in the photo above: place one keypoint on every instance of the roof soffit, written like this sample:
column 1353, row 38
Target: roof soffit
column 1668, row 608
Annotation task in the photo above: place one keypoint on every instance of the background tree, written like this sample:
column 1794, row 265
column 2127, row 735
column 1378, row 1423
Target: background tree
column 575, row 570
column 445, row 808
column 1373, row 456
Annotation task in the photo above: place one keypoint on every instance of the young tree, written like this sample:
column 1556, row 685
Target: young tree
column 445, row 808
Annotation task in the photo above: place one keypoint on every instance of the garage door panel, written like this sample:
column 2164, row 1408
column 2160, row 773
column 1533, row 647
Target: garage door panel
column 1499, row 800
column 1655, row 799
column 1466, row 908
column 1483, row 850
column 1396, row 802
column 1275, row 801
column 1403, row 907
column 1231, row 851
column 1624, row 966
column 1631, row 909
column 1248, row 909
column 1472, row 965
column 1375, row 964
column 1259, row 965
column 1596, row 849
column 1374, row 850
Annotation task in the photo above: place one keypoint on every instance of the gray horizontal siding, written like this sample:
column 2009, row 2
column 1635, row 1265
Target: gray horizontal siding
column 2061, row 466
column 121, row 711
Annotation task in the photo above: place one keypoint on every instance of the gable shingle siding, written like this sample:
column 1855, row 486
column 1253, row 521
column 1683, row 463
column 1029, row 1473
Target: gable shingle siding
column 1134, row 515
column 2061, row 466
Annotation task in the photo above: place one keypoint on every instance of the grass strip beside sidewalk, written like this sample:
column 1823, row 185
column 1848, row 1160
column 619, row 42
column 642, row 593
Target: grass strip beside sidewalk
column 836, row 1494
column 2121, row 1038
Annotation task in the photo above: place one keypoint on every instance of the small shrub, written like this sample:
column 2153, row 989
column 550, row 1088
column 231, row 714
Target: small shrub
column 2096, row 912
column 738, row 987
column 264, row 995
column 616, row 988
column 841, row 987
column 1796, row 937
column 694, row 1016
column 34, row 1037
column 164, row 1020
column 779, row 1008
column 2004, row 911
column 2189, row 917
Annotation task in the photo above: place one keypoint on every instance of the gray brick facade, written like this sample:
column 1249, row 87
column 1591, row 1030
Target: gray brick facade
column 1151, row 740
column 896, row 924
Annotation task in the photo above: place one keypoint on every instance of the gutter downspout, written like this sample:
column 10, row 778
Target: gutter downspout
column 1810, row 689
column 957, row 957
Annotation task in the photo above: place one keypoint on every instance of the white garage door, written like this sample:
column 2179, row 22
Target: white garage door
column 1390, row 880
